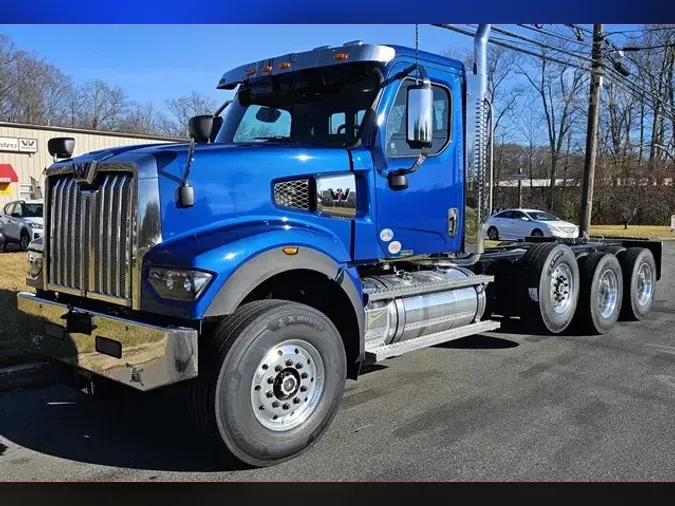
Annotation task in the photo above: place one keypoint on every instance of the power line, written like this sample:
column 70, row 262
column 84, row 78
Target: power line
column 554, row 34
column 636, row 91
column 635, row 48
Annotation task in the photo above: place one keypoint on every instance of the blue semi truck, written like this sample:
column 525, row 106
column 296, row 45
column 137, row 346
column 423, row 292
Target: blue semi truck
column 331, row 215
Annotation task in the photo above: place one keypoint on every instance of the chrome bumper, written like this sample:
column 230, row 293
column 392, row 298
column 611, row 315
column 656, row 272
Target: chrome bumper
column 137, row 354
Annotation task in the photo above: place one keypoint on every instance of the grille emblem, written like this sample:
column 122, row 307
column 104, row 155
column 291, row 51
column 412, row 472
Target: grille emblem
column 84, row 171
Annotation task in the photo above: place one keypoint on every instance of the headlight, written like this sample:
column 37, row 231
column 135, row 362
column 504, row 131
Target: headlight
column 34, row 264
column 34, row 225
column 178, row 284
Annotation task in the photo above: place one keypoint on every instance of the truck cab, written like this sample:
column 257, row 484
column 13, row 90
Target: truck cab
column 330, row 215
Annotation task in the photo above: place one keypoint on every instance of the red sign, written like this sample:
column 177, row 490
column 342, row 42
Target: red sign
column 7, row 174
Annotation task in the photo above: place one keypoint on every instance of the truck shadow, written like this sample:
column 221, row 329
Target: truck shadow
column 151, row 431
column 479, row 342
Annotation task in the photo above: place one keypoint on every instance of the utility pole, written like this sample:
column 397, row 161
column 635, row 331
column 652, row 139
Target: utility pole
column 591, row 132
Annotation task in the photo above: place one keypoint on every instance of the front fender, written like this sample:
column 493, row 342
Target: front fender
column 242, row 256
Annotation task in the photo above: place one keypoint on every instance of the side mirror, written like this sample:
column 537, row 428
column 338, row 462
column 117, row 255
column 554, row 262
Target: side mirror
column 420, row 116
column 61, row 147
column 268, row 115
column 217, row 124
column 200, row 128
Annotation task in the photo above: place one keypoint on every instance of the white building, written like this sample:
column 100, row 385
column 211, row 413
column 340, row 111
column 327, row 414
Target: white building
column 23, row 153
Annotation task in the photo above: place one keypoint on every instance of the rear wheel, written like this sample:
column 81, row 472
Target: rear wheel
column 601, row 293
column 551, row 287
column 276, row 381
column 537, row 233
column 639, row 279
column 493, row 233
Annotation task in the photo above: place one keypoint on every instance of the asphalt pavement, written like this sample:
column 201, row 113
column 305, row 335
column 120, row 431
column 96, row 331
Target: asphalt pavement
column 502, row 406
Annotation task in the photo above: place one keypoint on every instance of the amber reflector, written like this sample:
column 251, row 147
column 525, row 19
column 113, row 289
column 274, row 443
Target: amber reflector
column 290, row 250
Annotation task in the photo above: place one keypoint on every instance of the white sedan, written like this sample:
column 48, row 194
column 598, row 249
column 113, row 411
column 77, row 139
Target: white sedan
column 522, row 223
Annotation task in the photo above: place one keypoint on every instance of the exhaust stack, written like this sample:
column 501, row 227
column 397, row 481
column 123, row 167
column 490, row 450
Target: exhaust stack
column 477, row 168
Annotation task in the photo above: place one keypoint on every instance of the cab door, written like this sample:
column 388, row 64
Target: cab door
column 426, row 217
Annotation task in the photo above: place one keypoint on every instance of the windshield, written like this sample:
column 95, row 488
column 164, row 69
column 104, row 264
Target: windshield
column 542, row 216
column 32, row 210
column 320, row 107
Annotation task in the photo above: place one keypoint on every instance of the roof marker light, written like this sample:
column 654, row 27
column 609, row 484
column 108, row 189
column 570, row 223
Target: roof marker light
column 250, row 72
column 267, row 68
column 285, row 65
column 341, row 57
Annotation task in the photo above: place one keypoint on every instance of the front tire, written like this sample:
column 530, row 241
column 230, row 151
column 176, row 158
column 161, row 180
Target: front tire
column 639, row 281
column 24, row 241
column 551, row 287
column 275, row 384
column 537, row 233
column 493, row 234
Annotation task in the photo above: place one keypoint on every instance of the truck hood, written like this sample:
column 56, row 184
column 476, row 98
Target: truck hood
column 230, row 181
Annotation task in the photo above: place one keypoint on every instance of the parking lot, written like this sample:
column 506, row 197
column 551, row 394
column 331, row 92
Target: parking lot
column 504, row 406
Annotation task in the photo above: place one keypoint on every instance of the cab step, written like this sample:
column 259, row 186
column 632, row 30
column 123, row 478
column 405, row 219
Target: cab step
column 395, row 349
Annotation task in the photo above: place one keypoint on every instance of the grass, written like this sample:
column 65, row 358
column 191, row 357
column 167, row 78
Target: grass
column 12, row 280
column 642, row 231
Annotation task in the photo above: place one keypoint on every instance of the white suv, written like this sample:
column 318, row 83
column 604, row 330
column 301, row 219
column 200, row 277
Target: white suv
column 21, row 222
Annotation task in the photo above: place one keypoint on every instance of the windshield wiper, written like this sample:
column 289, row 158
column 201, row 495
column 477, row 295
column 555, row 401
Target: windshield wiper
column 276, row 138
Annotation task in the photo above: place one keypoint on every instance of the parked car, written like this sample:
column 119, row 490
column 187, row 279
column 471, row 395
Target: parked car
column 21, row 222
column 522, row 223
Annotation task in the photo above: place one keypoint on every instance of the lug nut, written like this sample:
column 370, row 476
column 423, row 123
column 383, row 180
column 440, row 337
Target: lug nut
column 257, row 387
column 303, row 388
column 296, row 401
column 277, row 368
column 275, row 404
column 304, row 375
column 269, row 394
column 287, row 406
column 289, row 362
column 261, row 408
column 270, row 380
column 299, row 365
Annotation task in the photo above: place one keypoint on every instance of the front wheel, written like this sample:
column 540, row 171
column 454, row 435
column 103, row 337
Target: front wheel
column 537, row 233
column 24, row 241
column 493, row 234
column 275, row 384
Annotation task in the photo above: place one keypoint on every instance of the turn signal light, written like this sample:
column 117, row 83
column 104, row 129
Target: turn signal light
column 340, row 56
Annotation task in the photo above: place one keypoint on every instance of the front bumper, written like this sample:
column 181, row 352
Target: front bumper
column 137, row 354
column 565, row 235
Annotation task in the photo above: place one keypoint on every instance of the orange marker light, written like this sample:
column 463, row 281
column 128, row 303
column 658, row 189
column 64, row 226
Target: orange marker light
column 285, row 65
column 250, row 72
column 267, row 68
column 340, row 57
column 290, row 250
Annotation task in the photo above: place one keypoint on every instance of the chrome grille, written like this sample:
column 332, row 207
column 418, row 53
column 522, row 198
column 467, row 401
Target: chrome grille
column 293, row 194
column 90, row 236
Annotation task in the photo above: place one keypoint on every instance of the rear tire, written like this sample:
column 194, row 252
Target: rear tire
column 493, row 234
column 537, row 233
column 300, row 351
column 551, row 287
column 639, row 281
column 601, row 293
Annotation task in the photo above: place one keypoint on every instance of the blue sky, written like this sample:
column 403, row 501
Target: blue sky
column 156, row 62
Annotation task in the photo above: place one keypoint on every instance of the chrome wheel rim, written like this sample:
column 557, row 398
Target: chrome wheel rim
column 608, row 293
column 287, row 385
column 645, row 284
column 562, row 288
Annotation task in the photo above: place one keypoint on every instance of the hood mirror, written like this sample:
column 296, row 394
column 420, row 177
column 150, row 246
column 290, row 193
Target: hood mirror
column 268, row 115
column 200, row 128
column 61, row 147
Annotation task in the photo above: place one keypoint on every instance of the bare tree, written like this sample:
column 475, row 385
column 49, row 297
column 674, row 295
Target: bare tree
column 103, row 105
column 183, row 108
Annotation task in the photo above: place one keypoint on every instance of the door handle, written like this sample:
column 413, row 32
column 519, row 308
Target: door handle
column 452, row 221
